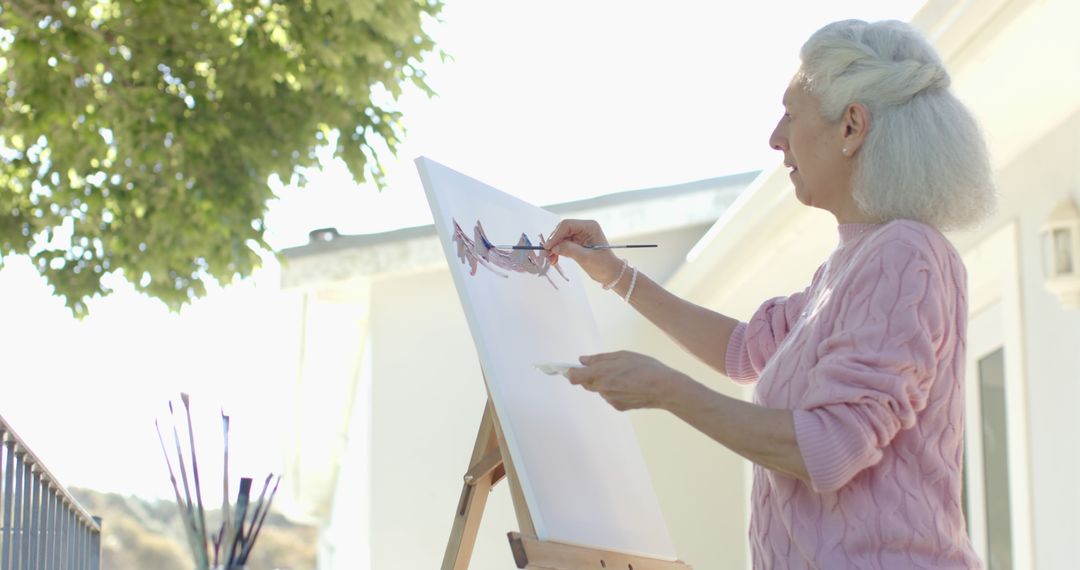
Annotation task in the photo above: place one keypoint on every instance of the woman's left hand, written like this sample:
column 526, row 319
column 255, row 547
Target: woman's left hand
column 627, row 380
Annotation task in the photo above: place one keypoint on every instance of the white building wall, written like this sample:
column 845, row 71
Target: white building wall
column 345, row 537
column 427, row 400
column 1032, row 185
column 335, row 327
column 425, row 404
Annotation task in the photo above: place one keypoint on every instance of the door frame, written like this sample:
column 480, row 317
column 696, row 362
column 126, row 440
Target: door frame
column 995, row 319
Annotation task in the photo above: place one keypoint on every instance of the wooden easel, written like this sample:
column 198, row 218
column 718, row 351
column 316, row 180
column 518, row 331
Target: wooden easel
column 491, row 463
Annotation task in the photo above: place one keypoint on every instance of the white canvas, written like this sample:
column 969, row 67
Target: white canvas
column 577, row 459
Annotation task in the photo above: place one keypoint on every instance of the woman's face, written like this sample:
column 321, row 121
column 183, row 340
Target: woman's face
column 813, row 150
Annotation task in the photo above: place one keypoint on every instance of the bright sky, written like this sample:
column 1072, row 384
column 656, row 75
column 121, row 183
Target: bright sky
column 550, row 101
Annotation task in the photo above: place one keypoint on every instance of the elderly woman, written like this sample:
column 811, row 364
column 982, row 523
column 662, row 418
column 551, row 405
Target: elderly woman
column 856, row 428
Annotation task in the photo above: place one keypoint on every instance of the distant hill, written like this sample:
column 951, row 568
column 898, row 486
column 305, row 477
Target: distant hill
column 147, row 535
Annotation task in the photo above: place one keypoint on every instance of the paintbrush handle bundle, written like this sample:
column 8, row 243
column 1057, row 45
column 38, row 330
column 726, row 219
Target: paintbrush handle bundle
column 229, row 547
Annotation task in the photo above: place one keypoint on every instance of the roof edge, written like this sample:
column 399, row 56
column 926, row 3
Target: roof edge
column 319, row 243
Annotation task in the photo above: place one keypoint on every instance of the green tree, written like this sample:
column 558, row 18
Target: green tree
column 138, row 136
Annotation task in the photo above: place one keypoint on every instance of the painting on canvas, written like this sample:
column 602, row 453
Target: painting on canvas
column 577, row 459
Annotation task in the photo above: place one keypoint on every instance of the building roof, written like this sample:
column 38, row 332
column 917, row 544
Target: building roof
column 330, row 257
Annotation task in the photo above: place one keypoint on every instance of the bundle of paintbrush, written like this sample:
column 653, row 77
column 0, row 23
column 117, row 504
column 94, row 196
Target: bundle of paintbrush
column 229, row 547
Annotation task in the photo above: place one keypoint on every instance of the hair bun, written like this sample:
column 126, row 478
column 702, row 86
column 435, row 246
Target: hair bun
column 927, row 76
column 909, row 78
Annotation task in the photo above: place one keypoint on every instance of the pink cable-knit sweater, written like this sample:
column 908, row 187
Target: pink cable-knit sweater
column 871, row 359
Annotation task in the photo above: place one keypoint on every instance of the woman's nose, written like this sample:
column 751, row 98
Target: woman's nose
column 778, row 139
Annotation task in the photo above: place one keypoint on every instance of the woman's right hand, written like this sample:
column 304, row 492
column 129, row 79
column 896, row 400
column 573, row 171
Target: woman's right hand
column 568, row 239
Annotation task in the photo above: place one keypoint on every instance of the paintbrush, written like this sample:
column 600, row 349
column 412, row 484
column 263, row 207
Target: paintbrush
column 241, row 512
column 201, row 560
column 176, row 489
column 530, row 247
column 226, row 513
column 598, row 246
column 258, row 518
column 200, row 521
column 246, row 544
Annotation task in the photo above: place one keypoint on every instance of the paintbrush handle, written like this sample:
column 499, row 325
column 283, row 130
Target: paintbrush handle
column 540, row 247
column 621, row 246
column 237, row 541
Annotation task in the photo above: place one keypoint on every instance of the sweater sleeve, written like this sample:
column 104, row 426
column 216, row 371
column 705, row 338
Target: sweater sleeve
column 752, row 343
column 875, row 367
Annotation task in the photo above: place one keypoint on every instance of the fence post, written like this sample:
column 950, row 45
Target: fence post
column 95, row 547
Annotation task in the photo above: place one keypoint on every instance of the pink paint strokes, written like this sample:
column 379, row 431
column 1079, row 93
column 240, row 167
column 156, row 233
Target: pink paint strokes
column 478, row 251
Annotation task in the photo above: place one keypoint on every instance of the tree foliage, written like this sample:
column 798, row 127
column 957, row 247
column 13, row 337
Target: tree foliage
column 138, row 136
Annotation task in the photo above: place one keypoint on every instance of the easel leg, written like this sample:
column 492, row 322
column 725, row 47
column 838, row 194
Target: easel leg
column 485, row 469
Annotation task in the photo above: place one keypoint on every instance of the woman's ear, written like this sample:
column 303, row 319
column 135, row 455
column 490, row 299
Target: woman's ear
column 856, row 123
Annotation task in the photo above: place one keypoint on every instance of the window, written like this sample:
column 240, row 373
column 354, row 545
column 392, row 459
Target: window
column 991, row 369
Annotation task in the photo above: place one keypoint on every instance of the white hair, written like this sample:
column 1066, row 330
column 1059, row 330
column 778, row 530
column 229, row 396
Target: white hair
column 924, row 157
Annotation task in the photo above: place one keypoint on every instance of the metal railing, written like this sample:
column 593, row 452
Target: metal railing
column 44, row 527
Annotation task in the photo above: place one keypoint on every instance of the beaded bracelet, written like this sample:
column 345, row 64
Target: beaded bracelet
column 633, row 282
column 619, row 276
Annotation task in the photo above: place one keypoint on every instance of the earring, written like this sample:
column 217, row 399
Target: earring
column 844, row 151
